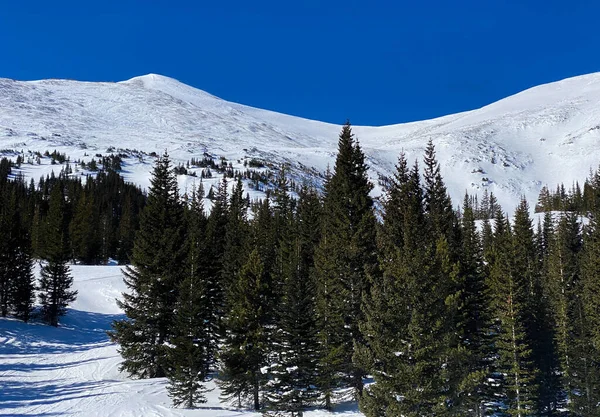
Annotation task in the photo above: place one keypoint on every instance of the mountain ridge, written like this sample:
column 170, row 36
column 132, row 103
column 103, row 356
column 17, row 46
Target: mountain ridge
column 543, row 135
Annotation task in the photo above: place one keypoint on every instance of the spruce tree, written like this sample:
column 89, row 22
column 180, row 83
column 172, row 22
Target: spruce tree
column 153, row 278
column 474, row 324
column 236, row 233
column 55, row 291
column 293, row 373
column 245, row 346
column 215, row 239
column 23, row 288
column 562, row 282
column 536, row 317
column 83, row 231
column 345, row 261
column 409, row 312
column 190, row 353
column 586, row 356
column 9, row 232
column 515, row 388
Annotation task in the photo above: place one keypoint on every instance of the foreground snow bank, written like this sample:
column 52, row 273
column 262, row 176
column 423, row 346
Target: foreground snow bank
column 73, row 370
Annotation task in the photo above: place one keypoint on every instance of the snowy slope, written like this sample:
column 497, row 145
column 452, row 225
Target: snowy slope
column 544, row 135
column 73, row 370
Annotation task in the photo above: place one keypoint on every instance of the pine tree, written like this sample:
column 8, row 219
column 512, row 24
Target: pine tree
column 438, row 205
column 295, row 345
column 191, row 352
column 17, row 283
column 516, row 388
column 536, row 317
column 236, row 233
column 245, row 347
column 156, row 272
column 9, row 231
column 213, row 254
column 409, row 345
column 345, row 261
column 563, row 278
column 23, row 289
column 55, row 292
column 586, row 356
column 83, row 231
column 475, row 321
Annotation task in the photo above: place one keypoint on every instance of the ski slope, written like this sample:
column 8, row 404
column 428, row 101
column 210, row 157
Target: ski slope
column 545, row 135
column 73, row 370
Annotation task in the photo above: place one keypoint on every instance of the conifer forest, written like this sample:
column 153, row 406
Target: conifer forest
column 315, row 294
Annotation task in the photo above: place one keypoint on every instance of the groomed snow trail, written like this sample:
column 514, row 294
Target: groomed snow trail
column 73, row 370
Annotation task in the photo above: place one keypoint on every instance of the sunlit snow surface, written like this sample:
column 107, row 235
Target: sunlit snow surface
column 73, row 370
column 545, row 135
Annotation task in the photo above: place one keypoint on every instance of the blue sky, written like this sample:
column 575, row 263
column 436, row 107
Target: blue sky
column 373, row 62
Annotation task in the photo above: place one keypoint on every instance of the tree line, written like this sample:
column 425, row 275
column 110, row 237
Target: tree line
column 297, row 302
column 60, row 220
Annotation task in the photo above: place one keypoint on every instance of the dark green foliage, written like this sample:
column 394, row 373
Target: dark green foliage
column 536, row 319
column 412, row 342
column 55, row 292
column 83, row 231
column 236, row 235
column 152, row 280
column 17, row 283
column 213, row 253
column 245, row 348
column 514, row 365
column 586, row 356
column 191, row 351
column 293, row 373
column 345, row 264
column 562, row 286
column 475, row 393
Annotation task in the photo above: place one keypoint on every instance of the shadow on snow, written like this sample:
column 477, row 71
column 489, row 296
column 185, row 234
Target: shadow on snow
column 78, row 331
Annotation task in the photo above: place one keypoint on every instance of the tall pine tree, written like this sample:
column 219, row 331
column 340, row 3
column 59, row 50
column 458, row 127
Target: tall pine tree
column 345, row 261
column 153, row 278
column 55, row 291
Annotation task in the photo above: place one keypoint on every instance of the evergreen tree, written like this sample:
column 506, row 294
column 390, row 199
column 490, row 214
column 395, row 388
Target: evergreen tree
column 214, row 248
column 294, row 371
column 56, row 282
column 586, row 356
column 236, row 233
column 409, row 345
column 191, row 352
column 83, row 231
column 516, row 389
column 9, row 231
column 245, row 348
column 23, row 288
column 475, row 392
column 438, row 205
column 536, row 317
column 345, row 259
column 562, row 283
column 153, row 279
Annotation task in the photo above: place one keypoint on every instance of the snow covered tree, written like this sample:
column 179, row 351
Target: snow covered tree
column 55, row 291
column 158, row 267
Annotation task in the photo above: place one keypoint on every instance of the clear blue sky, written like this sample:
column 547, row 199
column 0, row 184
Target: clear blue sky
column 374, row 62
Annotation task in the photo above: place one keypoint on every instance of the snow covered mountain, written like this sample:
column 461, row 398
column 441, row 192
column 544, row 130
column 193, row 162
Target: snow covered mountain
column 544, row 135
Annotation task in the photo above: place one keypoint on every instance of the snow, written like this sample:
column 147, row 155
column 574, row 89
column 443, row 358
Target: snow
column 73, row 370
column 545, row 135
